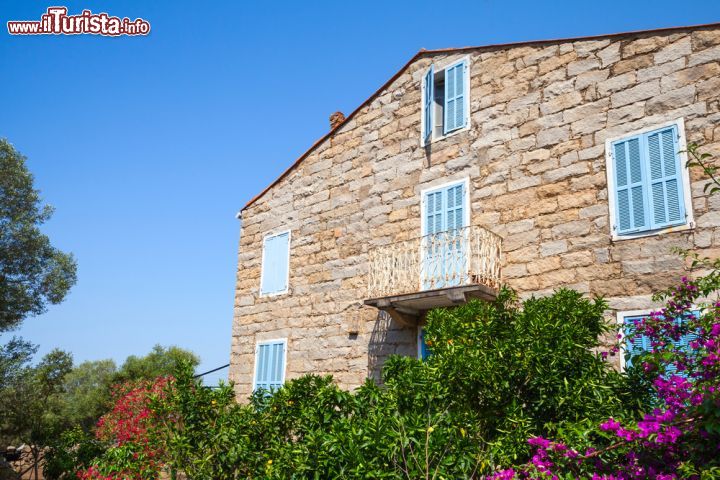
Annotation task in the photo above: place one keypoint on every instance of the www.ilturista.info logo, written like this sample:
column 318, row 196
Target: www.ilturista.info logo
column 57, row 22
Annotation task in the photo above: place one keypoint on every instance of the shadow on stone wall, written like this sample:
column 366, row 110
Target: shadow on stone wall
column 378, row 349
column 388, row 338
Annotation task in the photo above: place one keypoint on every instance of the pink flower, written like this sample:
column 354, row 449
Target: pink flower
column 539, row 442
column 610, row 426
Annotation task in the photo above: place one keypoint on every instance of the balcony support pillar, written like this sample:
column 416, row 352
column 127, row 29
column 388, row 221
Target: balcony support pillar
column 456, row 297
column 405, row 317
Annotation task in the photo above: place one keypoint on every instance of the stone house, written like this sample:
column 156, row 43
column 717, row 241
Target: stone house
column 537, row 164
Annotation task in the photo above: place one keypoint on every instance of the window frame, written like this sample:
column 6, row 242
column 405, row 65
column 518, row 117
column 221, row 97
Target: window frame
column 262, row 264
column 284, row 341
column 689, row 223
column 444, row 69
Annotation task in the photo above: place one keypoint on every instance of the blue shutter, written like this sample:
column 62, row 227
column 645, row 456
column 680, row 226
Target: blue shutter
column 683, row 344
column 276, row 252
column 444, row 261
column 665, row 180
column 428, row 104
column 455, row 114
column 630, row 194
column 648, row 182
column 642, row 344
column 434, row 213
column 270, row 367
column 638, row 345
column 445, row 209
column 455, row 205
column 424, row 349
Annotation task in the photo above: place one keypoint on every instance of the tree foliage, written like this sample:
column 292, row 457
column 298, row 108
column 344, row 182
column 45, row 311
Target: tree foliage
column 33, row 273
column 161, row 361
column 86, row 393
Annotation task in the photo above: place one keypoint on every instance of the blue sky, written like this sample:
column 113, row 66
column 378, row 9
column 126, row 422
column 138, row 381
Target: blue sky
column 148, row 146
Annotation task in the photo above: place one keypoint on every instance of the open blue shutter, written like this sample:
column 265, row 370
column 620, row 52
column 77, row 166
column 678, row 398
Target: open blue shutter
column 665, row 180
column 428, row 104
column 455, row 114
column 270, row 366
column 275, row 263
column 629, row 186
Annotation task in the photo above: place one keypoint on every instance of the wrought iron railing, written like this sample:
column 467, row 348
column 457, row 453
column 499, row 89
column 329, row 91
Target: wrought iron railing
column 460, row 257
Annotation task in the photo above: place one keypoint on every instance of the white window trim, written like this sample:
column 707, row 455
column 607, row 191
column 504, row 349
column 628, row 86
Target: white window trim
column 257, row 362
column 262, row 266
column 466, row 206
column 684, row 173
column 433, row 137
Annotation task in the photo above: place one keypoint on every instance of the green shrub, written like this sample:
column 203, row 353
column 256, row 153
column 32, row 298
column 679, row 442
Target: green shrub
column 499, row 373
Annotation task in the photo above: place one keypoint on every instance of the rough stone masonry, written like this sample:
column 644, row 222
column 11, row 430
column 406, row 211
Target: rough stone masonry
column 540, row 114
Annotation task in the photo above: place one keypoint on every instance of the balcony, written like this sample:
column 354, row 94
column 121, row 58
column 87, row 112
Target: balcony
column 444, row 269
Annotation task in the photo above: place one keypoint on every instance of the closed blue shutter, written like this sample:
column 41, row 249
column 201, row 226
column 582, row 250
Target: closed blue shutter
column 455, row 114
column 638, row 345
column 629, row 186
column 665, row 180
column 642, row 344
column 445, row 209
column 270, row 367
column 683, row 344
column 434, row 213
column 428, row 104
column 275, row 264
column 648, row 182
column 445, row 259
column 455, row 205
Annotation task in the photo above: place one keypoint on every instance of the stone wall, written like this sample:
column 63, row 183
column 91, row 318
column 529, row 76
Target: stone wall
column 535, row 156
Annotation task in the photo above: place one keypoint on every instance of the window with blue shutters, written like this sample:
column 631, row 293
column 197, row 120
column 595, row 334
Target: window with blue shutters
column 270, row 365
column 647, row 183
column 446, row 100
column 640, row 344
column 275, row 264
column 445, row 214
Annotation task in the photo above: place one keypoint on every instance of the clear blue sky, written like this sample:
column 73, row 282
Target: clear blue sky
column 148, row 146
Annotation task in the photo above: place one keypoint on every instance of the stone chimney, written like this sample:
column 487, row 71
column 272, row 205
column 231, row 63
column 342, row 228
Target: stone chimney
column 336, row 119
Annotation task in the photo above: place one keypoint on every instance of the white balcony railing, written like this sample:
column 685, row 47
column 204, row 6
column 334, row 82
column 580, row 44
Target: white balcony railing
column 466, row 256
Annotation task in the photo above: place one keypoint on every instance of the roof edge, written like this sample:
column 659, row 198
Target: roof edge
column 423, row 52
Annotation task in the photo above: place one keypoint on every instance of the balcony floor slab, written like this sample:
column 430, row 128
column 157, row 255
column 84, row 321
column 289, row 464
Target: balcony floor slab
column 410, row 308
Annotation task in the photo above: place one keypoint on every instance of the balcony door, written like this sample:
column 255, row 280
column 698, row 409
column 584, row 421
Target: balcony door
column 445, row 243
